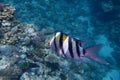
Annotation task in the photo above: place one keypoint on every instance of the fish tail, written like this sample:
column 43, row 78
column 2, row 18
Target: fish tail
column 91, row 53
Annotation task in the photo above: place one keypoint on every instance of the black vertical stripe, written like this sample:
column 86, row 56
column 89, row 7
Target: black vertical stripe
column 84, row 51
column 61, row 40
column 55, row 44
column 77, row 48
column 70, row 47
column 61, row 43
column 80, row 44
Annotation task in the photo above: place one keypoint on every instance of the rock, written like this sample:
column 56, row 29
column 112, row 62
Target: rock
column 4, row 63
column 24, row 49
column 27, row 40
column 14, row 29
column 30, row 30
column 52, row 58
column 37, row 39
column 7, row 49
column 23, row 56
column 8, row 69
column 31, row 75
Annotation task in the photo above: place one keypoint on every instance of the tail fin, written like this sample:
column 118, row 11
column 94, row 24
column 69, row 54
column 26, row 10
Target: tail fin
column 91, row 53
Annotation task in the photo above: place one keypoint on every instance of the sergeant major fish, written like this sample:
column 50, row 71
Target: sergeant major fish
column 67, row 46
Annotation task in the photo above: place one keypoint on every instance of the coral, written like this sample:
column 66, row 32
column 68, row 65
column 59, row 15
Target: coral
column 7, row 12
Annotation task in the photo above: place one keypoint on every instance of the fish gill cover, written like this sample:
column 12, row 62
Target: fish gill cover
column 25, row 28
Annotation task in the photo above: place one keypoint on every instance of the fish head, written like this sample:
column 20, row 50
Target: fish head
column 51, row 41
column 54, row 40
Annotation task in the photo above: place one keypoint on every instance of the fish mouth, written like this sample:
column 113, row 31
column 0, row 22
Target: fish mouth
column 48, row 43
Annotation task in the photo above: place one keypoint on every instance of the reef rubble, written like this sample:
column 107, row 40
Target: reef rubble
column 24, row 54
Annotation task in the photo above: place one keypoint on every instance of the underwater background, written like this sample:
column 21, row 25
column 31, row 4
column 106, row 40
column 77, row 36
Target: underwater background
column 26, row 26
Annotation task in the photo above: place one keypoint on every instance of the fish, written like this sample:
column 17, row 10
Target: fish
column 70, row 47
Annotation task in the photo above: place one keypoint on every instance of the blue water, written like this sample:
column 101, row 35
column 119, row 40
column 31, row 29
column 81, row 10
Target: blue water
column 92, row 21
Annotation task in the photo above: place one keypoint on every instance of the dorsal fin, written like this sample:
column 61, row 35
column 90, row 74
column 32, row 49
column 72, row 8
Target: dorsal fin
column 80, row 42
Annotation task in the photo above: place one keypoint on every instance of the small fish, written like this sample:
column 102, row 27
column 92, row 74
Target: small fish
column 69, row 47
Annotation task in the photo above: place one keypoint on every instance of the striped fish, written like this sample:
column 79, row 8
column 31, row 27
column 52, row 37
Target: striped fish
column 70, row 47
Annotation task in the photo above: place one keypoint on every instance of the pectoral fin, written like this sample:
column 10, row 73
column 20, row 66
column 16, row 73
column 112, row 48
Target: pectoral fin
column 84, row 59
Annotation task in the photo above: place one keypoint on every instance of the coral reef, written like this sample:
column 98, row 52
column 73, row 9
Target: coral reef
column 16, row 41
